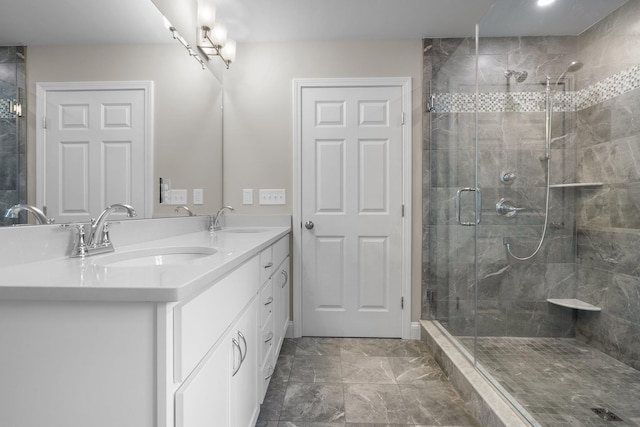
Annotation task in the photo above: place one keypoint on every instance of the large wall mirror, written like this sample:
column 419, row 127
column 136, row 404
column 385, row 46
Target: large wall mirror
column 86, row 41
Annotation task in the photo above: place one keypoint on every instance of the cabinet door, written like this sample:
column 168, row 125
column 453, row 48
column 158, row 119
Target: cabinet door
column 244, row 400
column 281, row 289
column 204, row 399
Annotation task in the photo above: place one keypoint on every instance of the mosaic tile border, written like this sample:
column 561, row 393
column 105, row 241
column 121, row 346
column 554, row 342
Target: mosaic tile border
column 533, row 102
column 5, row 112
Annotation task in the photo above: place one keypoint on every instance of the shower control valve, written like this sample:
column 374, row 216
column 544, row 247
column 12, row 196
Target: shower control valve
column 507, row 177
column 506, row 207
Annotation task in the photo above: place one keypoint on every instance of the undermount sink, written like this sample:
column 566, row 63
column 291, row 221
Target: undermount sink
column 244, row 230
column 155, row 257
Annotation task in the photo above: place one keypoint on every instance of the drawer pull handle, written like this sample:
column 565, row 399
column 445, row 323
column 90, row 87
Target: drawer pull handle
column 271, row 374
column 269, row 265
column 246, row 349
column 269, row 301
column 269, row 337
column 236, row 345
column 286, row 278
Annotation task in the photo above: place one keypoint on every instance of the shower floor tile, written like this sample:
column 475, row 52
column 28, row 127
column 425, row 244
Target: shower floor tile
column 559, row 380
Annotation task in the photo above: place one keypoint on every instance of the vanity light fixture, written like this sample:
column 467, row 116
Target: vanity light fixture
column 176, row 36
column 543, row 3
column 214, row 42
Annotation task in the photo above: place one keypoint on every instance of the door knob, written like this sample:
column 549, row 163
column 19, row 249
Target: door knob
column 308, row 225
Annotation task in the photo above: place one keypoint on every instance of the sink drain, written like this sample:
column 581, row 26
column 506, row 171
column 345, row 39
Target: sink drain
column 606, row 414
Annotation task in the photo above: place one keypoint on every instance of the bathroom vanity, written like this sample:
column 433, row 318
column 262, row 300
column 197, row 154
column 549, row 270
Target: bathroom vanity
column 178, row 330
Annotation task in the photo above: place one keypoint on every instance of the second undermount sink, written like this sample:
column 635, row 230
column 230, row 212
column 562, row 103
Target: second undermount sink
column 155, row 257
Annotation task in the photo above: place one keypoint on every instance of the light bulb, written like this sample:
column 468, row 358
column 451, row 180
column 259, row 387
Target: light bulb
column 219, row 35
column 545, row 2
column 228, row 52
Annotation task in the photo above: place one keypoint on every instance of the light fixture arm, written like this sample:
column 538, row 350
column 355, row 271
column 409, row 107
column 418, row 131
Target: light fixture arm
column 176, row 36
column 209, row 48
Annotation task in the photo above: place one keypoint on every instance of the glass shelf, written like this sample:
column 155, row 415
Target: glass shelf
column 577, row 185
column 573, row 303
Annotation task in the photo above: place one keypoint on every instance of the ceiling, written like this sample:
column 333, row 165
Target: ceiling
column 62, row 22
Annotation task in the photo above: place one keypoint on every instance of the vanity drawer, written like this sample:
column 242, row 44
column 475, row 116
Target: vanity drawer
column 280, row 251
column 265, row 373
column 266, row 264
column 201, row 321
column 267, row 341
column 267, row 303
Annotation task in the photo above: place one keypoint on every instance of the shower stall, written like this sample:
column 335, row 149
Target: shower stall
column 531, row 199
column 13, row 161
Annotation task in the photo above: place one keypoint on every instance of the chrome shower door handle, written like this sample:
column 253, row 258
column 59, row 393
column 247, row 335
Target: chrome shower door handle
column 478, row 195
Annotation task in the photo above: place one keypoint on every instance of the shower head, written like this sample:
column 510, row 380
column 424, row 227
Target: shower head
column 520, row 75
column 573, row 67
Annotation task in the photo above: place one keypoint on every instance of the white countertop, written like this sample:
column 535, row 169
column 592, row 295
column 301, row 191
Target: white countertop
column 76, row 279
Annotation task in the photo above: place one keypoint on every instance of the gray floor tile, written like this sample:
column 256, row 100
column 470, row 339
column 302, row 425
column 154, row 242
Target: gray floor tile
column 375, row 370
column 419, row 369
column 437, row 404
column 375, row 403
column 283, row 368
column 272, row 406
column 310, row 346
column 313, row 403
column 316, row 369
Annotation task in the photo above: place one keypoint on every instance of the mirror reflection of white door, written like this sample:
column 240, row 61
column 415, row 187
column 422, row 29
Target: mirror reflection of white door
column 352, row 195
column 95, row 151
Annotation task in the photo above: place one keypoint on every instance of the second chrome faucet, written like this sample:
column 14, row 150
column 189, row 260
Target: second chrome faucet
column 98, row 240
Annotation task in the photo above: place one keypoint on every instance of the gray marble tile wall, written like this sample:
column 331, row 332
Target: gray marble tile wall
column 608, row 219
column 12, row 131
column 511, row 294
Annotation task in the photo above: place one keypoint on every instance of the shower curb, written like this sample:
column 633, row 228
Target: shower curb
column 483, row 400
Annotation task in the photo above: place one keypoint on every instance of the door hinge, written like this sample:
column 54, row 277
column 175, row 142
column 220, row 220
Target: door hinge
column 402, row 118
column 44, row 122
column 402, row 211
column 402, row 303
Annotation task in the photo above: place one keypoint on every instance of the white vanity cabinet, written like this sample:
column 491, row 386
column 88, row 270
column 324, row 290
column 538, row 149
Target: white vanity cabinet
column 192, row 361
column 221, row 390
column 274, row 297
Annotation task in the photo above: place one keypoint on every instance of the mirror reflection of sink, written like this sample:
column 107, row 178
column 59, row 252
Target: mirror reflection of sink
column 244, row 230
column 155, row 257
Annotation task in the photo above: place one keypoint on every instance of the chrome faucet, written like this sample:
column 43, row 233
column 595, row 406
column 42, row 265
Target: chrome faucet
column 41, row 218
column 186, row 208
column 215, row 220
column 98, row 241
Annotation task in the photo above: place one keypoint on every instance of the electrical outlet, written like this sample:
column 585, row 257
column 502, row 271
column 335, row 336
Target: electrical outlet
column 273, row 197
column 247, row 196
column 198, row 196
column 179, row 197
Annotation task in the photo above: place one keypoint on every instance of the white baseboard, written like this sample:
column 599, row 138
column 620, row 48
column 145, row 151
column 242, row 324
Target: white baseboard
column 414, row 331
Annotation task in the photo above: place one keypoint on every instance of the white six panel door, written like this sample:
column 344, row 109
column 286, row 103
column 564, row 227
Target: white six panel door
column 95, row 152
column 352, row 193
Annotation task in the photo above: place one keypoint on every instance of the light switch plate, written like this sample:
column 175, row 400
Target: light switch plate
column 198, row 196
column 178, row 197
column 247, row 196
column 273, row 196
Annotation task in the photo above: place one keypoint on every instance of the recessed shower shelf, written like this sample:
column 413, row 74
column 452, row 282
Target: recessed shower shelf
column 577, row 185
column 573, row 303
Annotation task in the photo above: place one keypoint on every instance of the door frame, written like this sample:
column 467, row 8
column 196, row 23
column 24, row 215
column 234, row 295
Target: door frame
column 43, row 88
column 298, row 85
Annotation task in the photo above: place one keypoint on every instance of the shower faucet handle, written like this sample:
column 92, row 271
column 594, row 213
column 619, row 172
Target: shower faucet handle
column 506, row 207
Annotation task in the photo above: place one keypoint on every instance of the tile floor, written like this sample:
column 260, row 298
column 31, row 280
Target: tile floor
column 331, row 382
column 559, row 380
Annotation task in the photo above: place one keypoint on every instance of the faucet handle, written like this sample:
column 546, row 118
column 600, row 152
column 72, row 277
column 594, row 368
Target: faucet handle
column 80, row 248
column 105, row 234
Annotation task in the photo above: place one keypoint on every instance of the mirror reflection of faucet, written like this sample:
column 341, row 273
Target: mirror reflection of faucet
column 185, row 208
column 41, row 218
column 98, row 241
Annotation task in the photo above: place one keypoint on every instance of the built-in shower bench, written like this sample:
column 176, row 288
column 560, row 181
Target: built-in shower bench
column 573, row 303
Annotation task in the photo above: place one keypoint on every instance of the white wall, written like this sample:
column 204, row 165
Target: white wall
column 187, row 109
column 258, row 116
